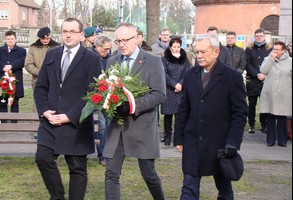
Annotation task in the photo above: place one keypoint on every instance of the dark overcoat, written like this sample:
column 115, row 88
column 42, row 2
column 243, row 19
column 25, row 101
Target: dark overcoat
column 66, row 98
column 255, row 55
column 174, row 70
column 139, row 132
column 15, row 58
column 208, row 119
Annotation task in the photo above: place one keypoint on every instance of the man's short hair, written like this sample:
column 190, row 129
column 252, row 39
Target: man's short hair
column 212, row 28
column 231, row 33
column 139, row 32
column 259, row 30
column 8, row 33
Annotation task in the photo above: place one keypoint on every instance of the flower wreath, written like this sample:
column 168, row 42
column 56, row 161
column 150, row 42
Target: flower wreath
column 7, row 87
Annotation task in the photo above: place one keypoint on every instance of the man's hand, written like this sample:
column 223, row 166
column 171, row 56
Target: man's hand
column 179, row 148
column 56, row 119
column 7, row 68
column 261, row 76
column 178, row 87
column 123, row 110
column 230, row 152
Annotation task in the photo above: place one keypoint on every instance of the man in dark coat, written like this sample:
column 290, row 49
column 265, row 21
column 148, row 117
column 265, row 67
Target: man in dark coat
column 12, row 59
column 255, row 54
column 211, row 116
column 58, row 96
column 237, row 53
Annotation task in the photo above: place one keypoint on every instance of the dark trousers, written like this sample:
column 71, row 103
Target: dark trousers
column 147, row 170
column 101, row 134
column 14, row 107
column 277, row 129
column 252, row 101
column 168, row 124
column 47, row 163
column 191, row 185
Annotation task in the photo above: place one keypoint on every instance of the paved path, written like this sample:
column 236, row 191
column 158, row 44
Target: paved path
column 253, row 148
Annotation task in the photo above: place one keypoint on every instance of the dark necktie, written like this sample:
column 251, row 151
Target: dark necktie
column 127, row 62
column 65, row 64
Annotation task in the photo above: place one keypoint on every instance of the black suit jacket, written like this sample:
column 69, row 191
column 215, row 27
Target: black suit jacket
column 66, row 98
column 208, row 119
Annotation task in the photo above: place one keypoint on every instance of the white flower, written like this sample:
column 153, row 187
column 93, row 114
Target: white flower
column 113, row 78
column 101, row 76
column 114, row 72
column 127, row 78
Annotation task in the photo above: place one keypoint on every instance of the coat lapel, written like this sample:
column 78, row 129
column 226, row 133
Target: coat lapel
column 139, row 61
column 57, row 58
column 80, row 53
column 197, row 78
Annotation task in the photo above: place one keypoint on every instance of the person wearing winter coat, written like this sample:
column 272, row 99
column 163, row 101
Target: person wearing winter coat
column 37, row 52
column 175, row 63
column 12, row 60
column 162, row 42
column 276, row 95
column 255, row 54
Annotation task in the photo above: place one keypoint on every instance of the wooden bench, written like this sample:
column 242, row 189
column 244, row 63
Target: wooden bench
column 26, row 127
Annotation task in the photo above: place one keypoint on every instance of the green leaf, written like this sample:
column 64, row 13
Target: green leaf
column 86, row 111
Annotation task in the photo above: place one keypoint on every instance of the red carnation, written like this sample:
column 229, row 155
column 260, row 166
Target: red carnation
column 96, row 98
column 4, row 85
column 103, row 88
column 10, row 92
column 114, row 98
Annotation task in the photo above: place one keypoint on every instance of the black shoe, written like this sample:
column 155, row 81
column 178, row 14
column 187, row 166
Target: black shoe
column 264, row 130
column 270, row 145
column 251, row 130
column 282, row 145
column 163, row 139
column 167, row 141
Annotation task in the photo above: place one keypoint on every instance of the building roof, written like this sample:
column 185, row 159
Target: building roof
column 28, row 3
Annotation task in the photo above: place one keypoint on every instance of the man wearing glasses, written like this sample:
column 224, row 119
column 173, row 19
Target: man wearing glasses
column 138, row 137
column 255, row 54
column 103, row 46
column 64, row 79
column 162, row 42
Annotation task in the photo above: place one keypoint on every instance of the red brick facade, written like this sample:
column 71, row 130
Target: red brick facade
column 243, row 17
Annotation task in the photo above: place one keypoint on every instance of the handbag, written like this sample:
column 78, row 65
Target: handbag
column 232, row 168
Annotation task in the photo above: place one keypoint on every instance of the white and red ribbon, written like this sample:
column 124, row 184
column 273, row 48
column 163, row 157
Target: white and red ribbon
column 9, row 79
column 131, row 100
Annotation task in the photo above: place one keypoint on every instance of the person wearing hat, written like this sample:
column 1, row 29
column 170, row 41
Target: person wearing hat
column 90, row 37
column 37, row 51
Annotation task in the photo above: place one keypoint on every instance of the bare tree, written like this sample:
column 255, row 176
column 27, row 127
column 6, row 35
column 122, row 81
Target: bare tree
column 153, row 20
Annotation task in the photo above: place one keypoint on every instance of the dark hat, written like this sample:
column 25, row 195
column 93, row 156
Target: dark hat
column 232, row 168
column 43, row 32
column 89, row 31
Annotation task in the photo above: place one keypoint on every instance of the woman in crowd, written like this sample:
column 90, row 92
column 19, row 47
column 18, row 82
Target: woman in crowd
column 276, row 95
column 175, row 62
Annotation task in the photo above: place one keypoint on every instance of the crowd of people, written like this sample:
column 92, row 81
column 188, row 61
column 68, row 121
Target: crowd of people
column 200, row 91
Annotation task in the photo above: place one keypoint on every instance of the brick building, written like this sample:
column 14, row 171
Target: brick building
column 241, row 16
column 18, row 13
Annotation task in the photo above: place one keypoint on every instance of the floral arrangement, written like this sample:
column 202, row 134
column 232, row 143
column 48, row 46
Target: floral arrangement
column 7, row 87
column 110, row 90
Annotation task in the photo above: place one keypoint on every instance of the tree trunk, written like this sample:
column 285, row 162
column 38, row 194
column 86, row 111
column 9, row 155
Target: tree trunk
column 153, row 20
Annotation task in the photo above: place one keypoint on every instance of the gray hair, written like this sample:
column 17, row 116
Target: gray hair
column 100, row 40
column 214, row 40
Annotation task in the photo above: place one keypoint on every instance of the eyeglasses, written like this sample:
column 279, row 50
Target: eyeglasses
column 71, row 32
column 123, row 41
column 106, row 49
column 259, row 36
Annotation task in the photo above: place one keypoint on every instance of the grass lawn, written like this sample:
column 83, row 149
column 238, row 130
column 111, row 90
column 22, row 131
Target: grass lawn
column 20, row 180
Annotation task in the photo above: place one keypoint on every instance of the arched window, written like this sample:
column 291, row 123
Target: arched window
column 271, row 23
